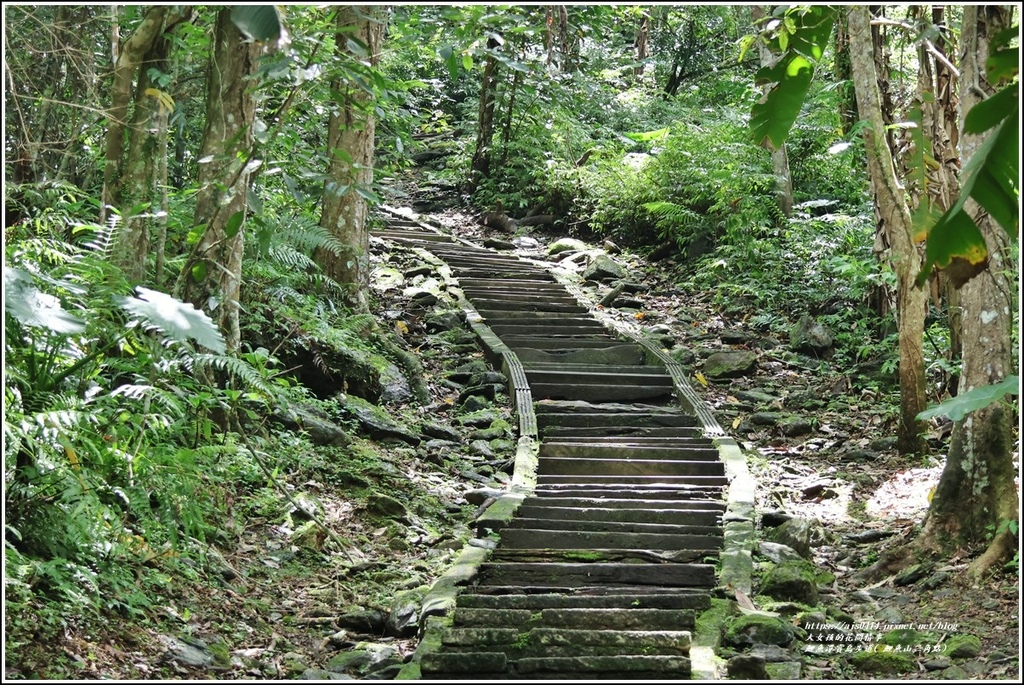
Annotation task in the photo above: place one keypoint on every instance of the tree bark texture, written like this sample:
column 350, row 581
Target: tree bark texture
column 480, row 168
column 350, row 136
column 976, row 492
column 894, row 217
column 212, row 276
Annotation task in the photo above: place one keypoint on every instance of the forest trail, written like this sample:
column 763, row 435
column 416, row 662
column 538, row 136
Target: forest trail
column 597, row 560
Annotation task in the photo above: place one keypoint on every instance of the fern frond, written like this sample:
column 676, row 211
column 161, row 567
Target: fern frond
column 309, row 237
column 673, row 213
column 155, row 395
column 287, row 256
column 284, row 293
column 239, row 369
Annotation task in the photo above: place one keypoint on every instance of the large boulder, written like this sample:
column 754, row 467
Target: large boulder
column 811, row 337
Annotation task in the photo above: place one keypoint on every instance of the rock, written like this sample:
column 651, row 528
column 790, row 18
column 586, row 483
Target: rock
column 190, row 652
column 785, row 670
column 383, row 505
column 479, row 418
column 487, row 392
column 377, row 423
column 436, row 430
column 566, row 245
column 800, row 534
column 751, row 629
column 360, row 620
column 777, row 552
column 317, row 425
column 771, row 653
column 955, row 673
column 603, row 268
column 936, row 663
column 765, row 418
column 497, row 244
column 481, row 448
column 772, row 518
column 525, row 242
column 868, row 536
column 474, row 403
column 811, row 337
column 755, row 396
column 913, row 574
column 735, row 337
column 437, row 322
column 795, row 426
column 963, row 646
column 403, row 619
column 491, row 433
column 481, row 495
column 883, row 444
column 746, row 667
column 421, row 297
column 890, row 663
column 354, row 660
column 792, row 580
column 610, row 247
column 320, row 674
column 730, row 364
column 890, row 615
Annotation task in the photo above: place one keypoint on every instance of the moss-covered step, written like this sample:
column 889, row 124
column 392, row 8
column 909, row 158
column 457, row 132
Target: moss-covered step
column 622, row 498
column 585, row 449
column 576, row 574
column 614, row 527
column 583, row 540
column 616, row 432
column 630, row 667
column 594, row 392
column 547, row 416
column 622, row 466
column 589, row 619
column 675, row 516
column 544, row 480
column 587, row 598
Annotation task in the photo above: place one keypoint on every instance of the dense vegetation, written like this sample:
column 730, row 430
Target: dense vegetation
column 142, row 425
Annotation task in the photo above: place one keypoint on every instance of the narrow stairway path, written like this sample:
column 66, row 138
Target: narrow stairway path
column 599, row 562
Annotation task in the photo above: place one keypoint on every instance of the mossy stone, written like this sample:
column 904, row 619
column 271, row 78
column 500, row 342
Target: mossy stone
column 963, row 646
column 751, row 629
column 793, row 580
column 883, row 662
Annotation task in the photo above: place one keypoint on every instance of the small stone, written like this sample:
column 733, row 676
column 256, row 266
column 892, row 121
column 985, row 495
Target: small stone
column 384, row 505
column 752, row 629
column 320, row 674
column 913, row 574
column 481, row 448
column 364, row 621
column 791, row 580
column 955, row 673
column 563, row 245
column 773, row 518
column 525, row 242
column 785, row 670
column 937, row 663
column 730, row 364
column 747, row 667
column 771, row 653
column 811, row 337
column 777, row 552
column 474, row 403
column 603, row 268
column 890, row 615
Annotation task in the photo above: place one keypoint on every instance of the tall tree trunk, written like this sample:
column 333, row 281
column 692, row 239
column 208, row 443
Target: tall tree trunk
column 894, row 215
column 350, row 135
column 847, row 97
column 211, row 279
column 976, row 492
column 480, row 169
column 780, row 158
column 642, row 42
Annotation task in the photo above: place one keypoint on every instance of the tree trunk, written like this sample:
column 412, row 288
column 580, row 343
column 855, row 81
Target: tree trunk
column 480, row 169
column 211, row 279
column 350, row 134
column 642, row 42
column 129, row 56
column 976, row 492
column 894, row 216
column 780, row 159
column 847, row 98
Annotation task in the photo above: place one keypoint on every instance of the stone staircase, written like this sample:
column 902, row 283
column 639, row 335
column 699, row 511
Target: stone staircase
column 603, row 554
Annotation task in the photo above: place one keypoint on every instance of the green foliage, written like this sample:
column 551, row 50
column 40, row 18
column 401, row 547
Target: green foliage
column 956, row 408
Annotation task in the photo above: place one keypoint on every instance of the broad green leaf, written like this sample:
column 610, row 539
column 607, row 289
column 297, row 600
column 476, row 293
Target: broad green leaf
column 813, row 30
column 648, row 136
column 34, row 308
column 199, row 270
column 956, row 408
column 955, row 245
column 257, row 22
column 772, row 118
column 176, row 319
column 234, row 223
column 357, row 47
column 988, row 113
column 467, row 62
column 1003, row 62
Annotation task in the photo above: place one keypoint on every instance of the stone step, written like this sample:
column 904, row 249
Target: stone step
column 589, row 432
column 585, row 449
column 676, row 516
column 511, row 316
column 521, row 344
column 681, row 442
column 640, row 481
column 577, row 527
column 580, row 466
column 592, row 619
column 560, row 642
column 489, row 665
column 505, row 296
column 599, row 393
column 615, row 353
column 578, row 598
column 573, row 574
column 497, row 305
column 413, row 236
column 552, row 330
column 537, row 282
column 529, row 538
column 617, row 498
column 579, row 420
column 577, row 377
column 632, row 667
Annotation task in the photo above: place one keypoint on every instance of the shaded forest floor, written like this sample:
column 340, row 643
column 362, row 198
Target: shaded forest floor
column 274, row 601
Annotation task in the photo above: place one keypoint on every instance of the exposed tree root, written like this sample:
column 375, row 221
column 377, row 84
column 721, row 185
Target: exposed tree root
column 999, row 550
